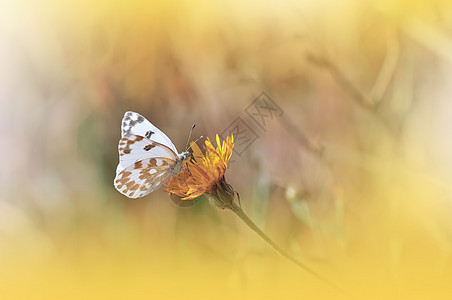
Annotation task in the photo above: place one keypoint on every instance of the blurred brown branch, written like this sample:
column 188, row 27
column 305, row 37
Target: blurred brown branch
column 302, row 138
column 367, row 101
column 342, row 80
column 387, row 70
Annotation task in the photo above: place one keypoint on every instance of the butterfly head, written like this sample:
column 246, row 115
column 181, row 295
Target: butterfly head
column 184, row 155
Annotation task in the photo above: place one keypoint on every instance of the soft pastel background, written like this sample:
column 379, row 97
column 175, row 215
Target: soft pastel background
column 369, row 82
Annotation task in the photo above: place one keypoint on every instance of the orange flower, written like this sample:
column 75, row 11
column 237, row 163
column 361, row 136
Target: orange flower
column 204, row 174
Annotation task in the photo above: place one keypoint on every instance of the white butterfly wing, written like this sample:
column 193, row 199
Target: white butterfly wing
column 134, row 123
column 133, row 148
column 143, row 177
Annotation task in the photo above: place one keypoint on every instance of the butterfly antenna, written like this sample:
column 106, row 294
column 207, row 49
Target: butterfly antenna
column 189, row 136
column 197, row 139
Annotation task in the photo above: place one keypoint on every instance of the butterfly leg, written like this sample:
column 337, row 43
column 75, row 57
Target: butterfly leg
column 188, row 169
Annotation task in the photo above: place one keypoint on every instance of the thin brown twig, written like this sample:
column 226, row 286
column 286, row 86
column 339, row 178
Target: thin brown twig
column 360, row 98
column 301, row 137
column 343, row 81
column 387, row 71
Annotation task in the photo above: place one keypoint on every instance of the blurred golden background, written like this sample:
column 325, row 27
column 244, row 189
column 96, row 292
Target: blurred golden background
column 352, row 175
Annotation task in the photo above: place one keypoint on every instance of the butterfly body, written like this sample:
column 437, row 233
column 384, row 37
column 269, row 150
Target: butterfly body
column 147, row 157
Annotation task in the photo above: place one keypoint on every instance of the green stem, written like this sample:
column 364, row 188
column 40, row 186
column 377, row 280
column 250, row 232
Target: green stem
column 242, row 215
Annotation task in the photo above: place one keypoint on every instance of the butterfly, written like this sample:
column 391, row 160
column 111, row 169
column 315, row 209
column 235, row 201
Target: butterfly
column 147, row 157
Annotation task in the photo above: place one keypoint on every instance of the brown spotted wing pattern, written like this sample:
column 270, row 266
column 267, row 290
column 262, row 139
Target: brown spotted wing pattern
column 143, row 177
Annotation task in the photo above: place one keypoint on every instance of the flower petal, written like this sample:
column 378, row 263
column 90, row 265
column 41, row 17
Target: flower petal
column 201, row 174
